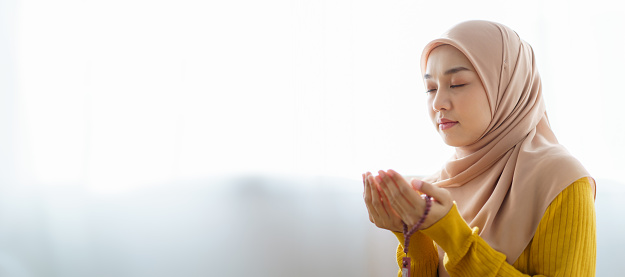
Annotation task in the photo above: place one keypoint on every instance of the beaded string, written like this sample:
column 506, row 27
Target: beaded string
column 407, row 234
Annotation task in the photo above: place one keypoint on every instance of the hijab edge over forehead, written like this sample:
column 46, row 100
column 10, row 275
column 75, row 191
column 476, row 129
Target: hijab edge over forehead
column 478, row 70
column 491, row 37
column 444, row 41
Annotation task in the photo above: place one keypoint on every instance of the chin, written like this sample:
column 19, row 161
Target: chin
column 452, row 142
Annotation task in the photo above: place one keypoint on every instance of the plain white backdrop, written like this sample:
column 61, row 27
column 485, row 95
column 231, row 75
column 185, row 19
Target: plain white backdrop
column 109, row 97
column 118, row 94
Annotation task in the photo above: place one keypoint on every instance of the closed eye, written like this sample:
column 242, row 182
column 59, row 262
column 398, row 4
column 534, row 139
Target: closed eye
column 457, row 86
column 430, row 90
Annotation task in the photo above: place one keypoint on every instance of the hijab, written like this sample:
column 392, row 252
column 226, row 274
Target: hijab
column 504, row 182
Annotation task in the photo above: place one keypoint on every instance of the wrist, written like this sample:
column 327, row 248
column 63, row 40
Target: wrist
column 450, row 232
column 439, row 212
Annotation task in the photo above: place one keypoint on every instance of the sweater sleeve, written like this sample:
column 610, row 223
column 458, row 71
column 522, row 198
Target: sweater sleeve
column 422, row 252
column 564, row 243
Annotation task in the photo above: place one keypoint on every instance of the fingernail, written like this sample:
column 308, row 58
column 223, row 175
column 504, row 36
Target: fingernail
column 381, row 172
column 416, row 184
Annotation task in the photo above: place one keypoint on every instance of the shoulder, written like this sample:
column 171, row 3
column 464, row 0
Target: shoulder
column 565, row 240
column 580, row 190
column 575, row 200
column 552, row 172
column 554, row 160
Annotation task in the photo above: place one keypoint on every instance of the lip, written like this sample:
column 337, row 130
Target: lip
column 445, row 120
column 444, row 123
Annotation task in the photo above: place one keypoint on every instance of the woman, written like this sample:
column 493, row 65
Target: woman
column 511, row 201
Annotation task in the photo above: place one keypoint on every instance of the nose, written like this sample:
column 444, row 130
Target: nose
column 441, row 101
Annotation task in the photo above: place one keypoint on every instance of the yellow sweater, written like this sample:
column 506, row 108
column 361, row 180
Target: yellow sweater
column 564, row 243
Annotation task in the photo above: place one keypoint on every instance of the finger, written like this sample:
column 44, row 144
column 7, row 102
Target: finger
column 376, row 200
column 440, row 194
column 399, row 185
column 368, row 198
column 381, row 199
column 386, row 216
column 400, row 198
column 390, row 218
column 364, row 185
column 366, row 188
column 442, row 201
column 387, row 206
column 371, row 198
column 400, row 181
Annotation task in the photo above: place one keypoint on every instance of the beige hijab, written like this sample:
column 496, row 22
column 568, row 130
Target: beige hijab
column 504, row 182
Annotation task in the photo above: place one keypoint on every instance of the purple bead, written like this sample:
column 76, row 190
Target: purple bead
column 407, row 234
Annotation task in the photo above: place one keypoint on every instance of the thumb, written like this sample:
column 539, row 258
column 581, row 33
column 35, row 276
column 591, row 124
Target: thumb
column 429, row 189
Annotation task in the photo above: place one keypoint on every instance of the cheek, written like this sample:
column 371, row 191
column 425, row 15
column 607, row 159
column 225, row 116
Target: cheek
column 485, row 119
column 431, row 112
column 482, row 114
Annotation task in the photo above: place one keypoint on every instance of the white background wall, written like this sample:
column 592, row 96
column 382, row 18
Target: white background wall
column 119, row 94
column 110, row 97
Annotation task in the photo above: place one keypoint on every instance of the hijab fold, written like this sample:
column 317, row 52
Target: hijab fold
column 504, row 181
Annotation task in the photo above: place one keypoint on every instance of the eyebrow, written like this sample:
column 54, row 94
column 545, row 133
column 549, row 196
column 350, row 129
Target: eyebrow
column 448, row 72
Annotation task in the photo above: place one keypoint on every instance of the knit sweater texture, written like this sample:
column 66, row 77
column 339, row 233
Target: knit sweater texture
column 564, row 243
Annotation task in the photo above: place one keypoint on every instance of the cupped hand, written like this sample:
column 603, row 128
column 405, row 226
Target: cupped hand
column 404, row 198
column 380, row 211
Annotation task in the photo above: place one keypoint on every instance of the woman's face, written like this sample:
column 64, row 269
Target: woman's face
column 457, row 102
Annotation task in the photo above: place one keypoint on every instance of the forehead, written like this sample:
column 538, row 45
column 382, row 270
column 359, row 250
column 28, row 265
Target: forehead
column 445, row 57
